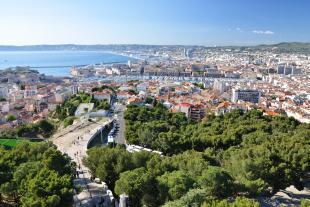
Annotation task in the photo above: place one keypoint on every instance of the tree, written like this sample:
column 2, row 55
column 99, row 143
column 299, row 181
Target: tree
column 49, row 187
column 45, row 127
column 110, row 165
column 68, row 121
column 236, row 153
column 35, row 175
column 133, row 183
column 53, row 159
column 217, row 181
column 193, row 198
column 173, row 185
column 239, row 202
column 305, row 202
column 10, row 117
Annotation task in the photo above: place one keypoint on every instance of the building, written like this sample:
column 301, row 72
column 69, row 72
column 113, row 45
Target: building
column 247, row 95
column 194, row 112
column 281, row 69
column 30, row 91
column 102, row 95
column 197, row 113
column 4, row 107
column 219, row 86
column 288, row 70
column 185, row 108
column 84, row 108
column 74, row 89
column 142, row 87
column 62, row 95
column 4, row 92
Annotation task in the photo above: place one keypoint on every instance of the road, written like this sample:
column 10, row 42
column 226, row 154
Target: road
column 73, row 141
column 119, row 116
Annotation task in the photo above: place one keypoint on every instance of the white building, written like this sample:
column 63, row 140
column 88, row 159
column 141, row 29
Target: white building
column 30, row 91
column 74, row 89
column 4, row 92
column 84, row 108
column 247, row 95
column 219, row 86
column 4, row 107
column 142, row 87
column 102, row 95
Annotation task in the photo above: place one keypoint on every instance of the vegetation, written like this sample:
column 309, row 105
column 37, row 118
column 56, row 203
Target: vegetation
column 69, row 107
column 150, row 127
column 41, row 129
column 8, row 143
column 10, row 117
column 112, row 88
column 305, row 202
column 101, row 104
column 200, row 85
column 65, row 112
column 205, row 163
column 195, row 197
column 68, row 121
column 35, row 175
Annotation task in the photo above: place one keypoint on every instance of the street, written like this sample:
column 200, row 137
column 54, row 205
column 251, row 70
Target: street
column 74, row 143
column 120, row 123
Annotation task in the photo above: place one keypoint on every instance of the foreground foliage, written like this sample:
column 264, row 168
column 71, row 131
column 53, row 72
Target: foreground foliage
column 35, row 175
column 205, row 163
column 66, row 112
column 41, row 129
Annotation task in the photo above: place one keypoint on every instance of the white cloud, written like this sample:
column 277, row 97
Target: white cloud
column 267, row 32
column 238, row 29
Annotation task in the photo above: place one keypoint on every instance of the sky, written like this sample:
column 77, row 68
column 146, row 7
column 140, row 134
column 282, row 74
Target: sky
column 184, row 22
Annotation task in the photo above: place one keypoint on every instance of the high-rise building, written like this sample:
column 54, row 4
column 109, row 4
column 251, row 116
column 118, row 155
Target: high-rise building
column 288, row 70
column 4, row 92
column 219, row 86
column 281, row 69
column 141, row 70
column 248, row 95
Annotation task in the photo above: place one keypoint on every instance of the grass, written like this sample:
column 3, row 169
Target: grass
column 10, row 142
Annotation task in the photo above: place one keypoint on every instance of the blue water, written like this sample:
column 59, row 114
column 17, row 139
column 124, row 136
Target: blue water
column 56, row 58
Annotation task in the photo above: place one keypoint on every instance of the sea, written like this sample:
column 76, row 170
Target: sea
column 57, row 63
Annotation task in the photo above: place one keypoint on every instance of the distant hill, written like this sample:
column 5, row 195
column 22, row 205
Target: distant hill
column 108, row 47
column 284, row 47
column 294, row 47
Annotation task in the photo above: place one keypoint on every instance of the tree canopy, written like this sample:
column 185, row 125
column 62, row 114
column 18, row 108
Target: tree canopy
column 206, row 163
column 35, row 175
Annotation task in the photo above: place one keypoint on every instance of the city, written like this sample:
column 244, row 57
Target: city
column 172, row 125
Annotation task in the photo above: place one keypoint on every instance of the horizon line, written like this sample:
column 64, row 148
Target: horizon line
column 142, row 44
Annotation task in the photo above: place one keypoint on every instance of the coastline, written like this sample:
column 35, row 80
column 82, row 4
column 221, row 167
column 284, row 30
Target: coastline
column 60, row 67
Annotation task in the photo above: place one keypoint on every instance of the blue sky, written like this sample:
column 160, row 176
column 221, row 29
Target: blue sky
column 190, row 22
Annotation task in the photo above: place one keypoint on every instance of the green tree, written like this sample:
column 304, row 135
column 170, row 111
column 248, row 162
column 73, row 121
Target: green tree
column 133, row 183
column 217, row 181
column 239, row 202
column 305, row 202
column 10, row 117
column 173, row 185
column 35, row 175
column 110, row 165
